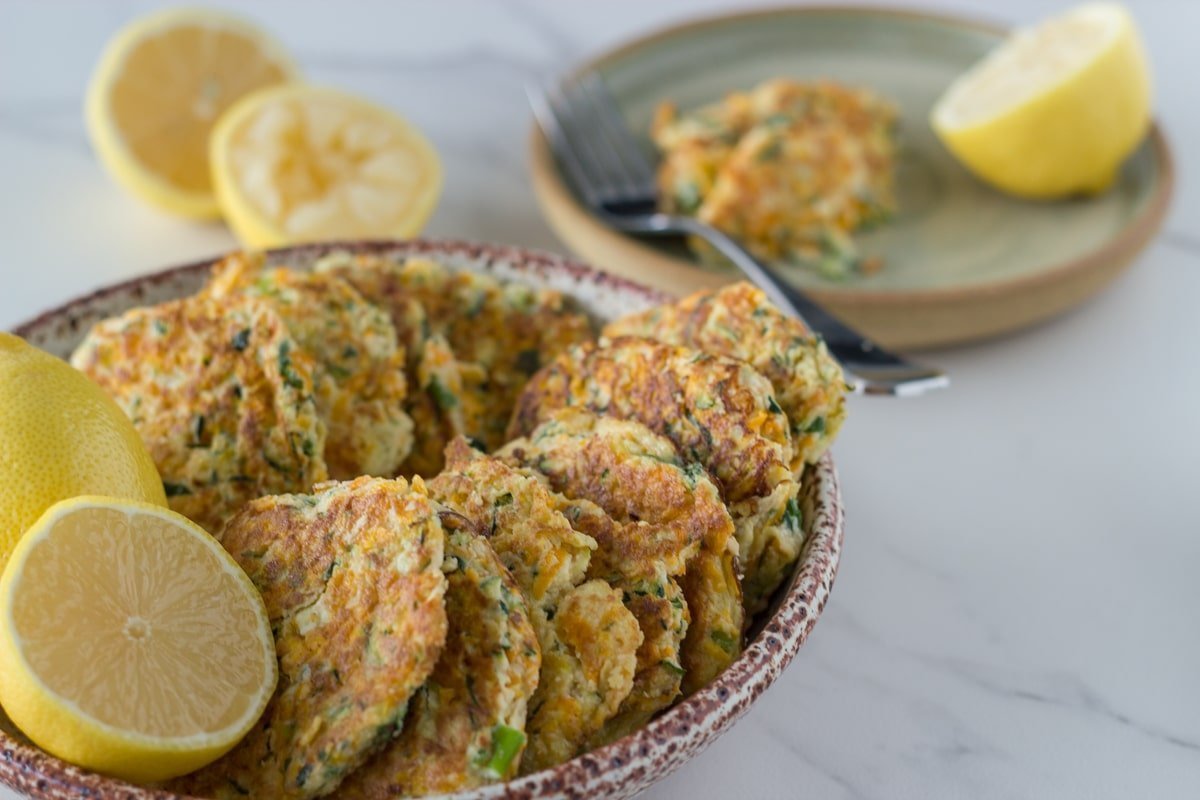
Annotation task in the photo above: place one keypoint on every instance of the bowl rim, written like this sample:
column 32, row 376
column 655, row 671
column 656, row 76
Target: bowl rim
column 621, row 767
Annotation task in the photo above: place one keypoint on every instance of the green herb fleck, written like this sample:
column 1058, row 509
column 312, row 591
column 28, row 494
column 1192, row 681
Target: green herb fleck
column 725, row 641
column 286, row 370
column 444, row 398
column 506, row 743
column 504, row 500
column 671, row 667
column 175, row 489
column 337, row 371
column 816, row 426
column 687, row 197
column 793, row 517
column 275, row 465
column 241, row 340
column 772, row 151
column 773, row 406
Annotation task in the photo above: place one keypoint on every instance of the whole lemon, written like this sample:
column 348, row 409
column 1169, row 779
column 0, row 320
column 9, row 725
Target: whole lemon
column 61, row 436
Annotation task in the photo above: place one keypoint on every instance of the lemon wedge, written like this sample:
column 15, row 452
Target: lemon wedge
column 131, row 643
column 1054, row 110
column 301, row 163
column 61, row 436
column 160, row 86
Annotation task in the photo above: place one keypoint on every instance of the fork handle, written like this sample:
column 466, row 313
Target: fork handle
column 872, row 370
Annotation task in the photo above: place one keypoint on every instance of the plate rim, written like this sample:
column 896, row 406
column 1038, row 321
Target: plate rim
column 1129, row 241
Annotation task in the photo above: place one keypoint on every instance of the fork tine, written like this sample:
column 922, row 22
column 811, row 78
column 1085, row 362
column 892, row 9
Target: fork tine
column 600, row 134
column 579, row 128
column 560, row 143
column 631, row 160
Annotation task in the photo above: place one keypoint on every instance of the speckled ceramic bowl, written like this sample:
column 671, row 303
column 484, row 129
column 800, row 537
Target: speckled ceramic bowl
column 618, row 770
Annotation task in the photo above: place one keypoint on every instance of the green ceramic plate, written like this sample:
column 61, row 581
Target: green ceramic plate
column 954, row 243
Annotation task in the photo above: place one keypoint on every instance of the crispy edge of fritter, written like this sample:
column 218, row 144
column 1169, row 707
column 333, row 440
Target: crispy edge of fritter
column 589, row 650
column 717, row 411
column 359, row 363
column 626, row 469
column 352, row 581
column 591, row 655
column 739, row 321
column 465, row 726
column 507, row 329
column 637, row 478
column 245, row 359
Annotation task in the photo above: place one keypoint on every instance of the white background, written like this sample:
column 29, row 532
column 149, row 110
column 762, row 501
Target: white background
column 1018, row 609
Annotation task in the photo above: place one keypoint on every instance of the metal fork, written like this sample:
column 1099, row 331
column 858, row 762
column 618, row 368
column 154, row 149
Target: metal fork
column 608, row 170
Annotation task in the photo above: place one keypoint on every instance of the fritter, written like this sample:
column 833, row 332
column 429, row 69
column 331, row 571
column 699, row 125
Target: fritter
column 222, row 397
column 352, row 580
column 660, row 518
column 465, row 726
column 359, row 373
column 508, row 329
column 789, row 168
column 588, row 668
column 739, row 321
column 587, row 637
column 718, row 412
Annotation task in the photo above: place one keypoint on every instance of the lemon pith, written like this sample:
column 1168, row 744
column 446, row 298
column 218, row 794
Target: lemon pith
column 159, row 87
column 1054, row 110
column 131, row 643
column 62, row 436
column 301, row 163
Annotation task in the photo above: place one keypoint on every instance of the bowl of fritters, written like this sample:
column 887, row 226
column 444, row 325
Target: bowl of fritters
column 523, row 529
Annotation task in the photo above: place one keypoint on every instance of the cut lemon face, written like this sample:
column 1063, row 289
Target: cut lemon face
column 159, row 88
column 131, row 643
column 1054, row 110
column 302, row 163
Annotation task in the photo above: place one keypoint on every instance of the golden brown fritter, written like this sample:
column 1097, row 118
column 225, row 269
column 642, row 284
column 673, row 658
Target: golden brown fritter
column 352, row 580
column 588, row 667
column 359, row 366
column 739, row 321
column 660, row 517
column 789, row 168
column 718, row 412
column 508, row 329
column 465, row 726
column 587, row 637
column 656, row 601
column 221, row 395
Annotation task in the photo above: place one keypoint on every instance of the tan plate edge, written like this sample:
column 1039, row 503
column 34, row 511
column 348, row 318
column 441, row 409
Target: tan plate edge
column 946, row 316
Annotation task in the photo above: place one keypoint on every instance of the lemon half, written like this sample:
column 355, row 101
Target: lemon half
column 161, row 85
column 131, row 643
column 61, row 436
column 302, row 163
column 1054, row 110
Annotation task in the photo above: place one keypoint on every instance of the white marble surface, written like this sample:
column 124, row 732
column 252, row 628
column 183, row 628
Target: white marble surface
column 1018, row 610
